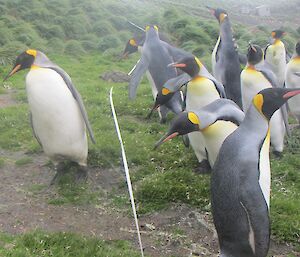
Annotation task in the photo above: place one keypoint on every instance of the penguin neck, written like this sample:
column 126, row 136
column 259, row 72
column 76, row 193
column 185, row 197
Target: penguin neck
column 152, row 35
column 41, row 60
column 256, row 123
column 226, row 31
column 250, row 66
column 277, row 42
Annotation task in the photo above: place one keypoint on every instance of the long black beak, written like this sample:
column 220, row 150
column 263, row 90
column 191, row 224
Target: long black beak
column 13, row 71
column 165, row 138
column 252, row 47
column 152, row 110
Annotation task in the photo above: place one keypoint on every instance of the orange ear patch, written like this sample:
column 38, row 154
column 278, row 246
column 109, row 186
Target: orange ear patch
column 132, row 42
column 258, row 102
column 193, row 118
column 31, row 52
column 165, row 91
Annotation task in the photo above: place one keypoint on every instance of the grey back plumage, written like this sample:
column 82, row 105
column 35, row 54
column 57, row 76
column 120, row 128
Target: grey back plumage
column 239, row 209
column 228, row 65
column 155, row 58
column 220, row 109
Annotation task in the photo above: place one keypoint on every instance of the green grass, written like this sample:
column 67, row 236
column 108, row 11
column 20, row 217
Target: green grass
column 161, row 176
column 23, row 161
column 39, row 244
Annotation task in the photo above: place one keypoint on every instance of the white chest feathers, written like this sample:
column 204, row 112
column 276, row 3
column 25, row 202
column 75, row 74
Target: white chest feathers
column 264, row 169
column 293, row 81
column 201, row 91
column 56, row 117
column 252, row 81
column 276, row 57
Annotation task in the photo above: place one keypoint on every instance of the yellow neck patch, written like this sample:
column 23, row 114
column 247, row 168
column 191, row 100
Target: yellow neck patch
column 296, row 60
column 277, row 42
column 222, row 17
column 258, row 102
column 34, row 67
column 193, row 118
column 165, row 91
column 31, row 52
column 147, row 28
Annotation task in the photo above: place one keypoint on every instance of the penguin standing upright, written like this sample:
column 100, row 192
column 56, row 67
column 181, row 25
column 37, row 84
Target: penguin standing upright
column 202, row 89
column 275, row 56
column 215, row 121
column 58, row 116
column 292, row 80
column 155, row 58
column 225, row 59
column 240, row 181
column 255, row 79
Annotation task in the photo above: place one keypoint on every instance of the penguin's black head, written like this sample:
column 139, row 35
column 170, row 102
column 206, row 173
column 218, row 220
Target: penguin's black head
column 277, row 34
column 298, row 48
column 162, row 98
column 269, row 100
column 131, row 47
column 219, row 13
column 184, row 123
column 190, row 65
column 23, row 61
column 255, row 54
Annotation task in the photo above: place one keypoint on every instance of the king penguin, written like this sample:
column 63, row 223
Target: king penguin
column 225, row 59
column 292, row 80
column 58, row 116
column 215, row 121
column 155, row 58
column 240, row 181
column 275, row 56
column 255, row 79
column 201, row 90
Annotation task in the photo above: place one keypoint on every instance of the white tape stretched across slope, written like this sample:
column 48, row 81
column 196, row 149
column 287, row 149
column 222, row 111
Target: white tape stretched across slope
column 126, row 171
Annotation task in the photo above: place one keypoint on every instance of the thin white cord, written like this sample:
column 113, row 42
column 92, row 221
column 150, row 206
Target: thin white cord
column 126, row 171
column 129, row 73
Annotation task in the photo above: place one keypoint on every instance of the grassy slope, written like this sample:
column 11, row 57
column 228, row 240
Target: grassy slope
column 160, row 177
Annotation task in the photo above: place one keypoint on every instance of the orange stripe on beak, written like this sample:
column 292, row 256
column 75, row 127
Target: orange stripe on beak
column 179, row 65
column 291, row 94
column 175, row 134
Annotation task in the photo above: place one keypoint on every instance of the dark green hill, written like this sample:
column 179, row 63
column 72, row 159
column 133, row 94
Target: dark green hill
column 75, row 27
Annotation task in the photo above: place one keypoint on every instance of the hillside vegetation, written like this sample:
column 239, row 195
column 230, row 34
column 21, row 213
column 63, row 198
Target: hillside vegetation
column 79, row 27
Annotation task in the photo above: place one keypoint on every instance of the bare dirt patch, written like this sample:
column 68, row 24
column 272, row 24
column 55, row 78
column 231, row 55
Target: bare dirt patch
column 177, row 231
column 7, row 99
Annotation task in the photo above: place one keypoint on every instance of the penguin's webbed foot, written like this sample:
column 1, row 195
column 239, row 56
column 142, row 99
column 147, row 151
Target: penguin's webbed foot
column 277, row 154
column 163, row 120
column 81, row 174
column 203, row 168
column 60, row 168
